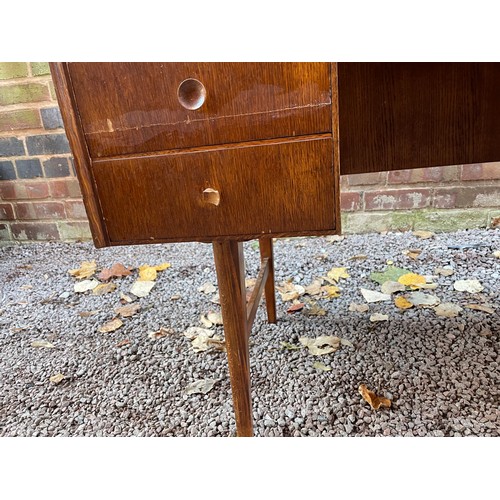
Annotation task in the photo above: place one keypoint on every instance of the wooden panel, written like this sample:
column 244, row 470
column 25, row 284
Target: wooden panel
column 134, row 107
column 410, row 115
column 271, row 189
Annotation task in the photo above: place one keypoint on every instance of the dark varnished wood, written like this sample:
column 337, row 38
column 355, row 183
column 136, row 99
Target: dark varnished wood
column 79, row 148
column 266, row 253
column 229, row 263
column 412, row 115
column 135, row 107
column 260, row 283
column 280, row 188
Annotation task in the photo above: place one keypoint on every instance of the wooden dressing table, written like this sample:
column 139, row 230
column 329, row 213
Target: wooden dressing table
column 228, row 152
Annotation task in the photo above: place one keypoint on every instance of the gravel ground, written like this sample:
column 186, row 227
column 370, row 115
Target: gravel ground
column 442, row 374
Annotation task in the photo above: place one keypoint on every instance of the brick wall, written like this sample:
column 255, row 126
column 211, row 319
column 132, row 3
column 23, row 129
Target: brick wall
column 40, row 199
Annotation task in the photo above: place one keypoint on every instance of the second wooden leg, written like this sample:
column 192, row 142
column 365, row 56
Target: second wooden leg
column 230, row 266
column 266, row 251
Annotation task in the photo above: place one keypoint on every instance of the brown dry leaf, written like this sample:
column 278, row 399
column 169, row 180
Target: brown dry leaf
column 360, row 308
column 448, row 310
column 111, row 326
column 42, row 343
column 412, row 253
column 175, row 297
column 337, row 273
column 147, row 273
column 443, row 271
column 314, row 288
column 86, row 270
column 104, row 288
column 480, row 307
column 86, row 314
column 290, row 291
column 360, row 256
column 125, row 299
column 57, row 378
column 423, row 235
column 495, row 222
column 123, row 342
column 324, row 344
column 402, row 303
column 162, row 332
column 314, row 310
column 296, row 306
column 412, row 280
column 128, row 311
column 115, row 271
column 390, row 287
column 374, row 401
column 331, row 291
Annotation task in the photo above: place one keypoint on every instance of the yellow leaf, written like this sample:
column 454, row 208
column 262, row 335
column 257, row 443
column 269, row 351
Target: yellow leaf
column 55, row 379
column 424, row 235
column 86, row 270
column 336, row 273
column 412, row 280
column 402, row 303
column 104, row 288
column 162, row 267
column 147, row 273
column 332, row 291
column 370, row 397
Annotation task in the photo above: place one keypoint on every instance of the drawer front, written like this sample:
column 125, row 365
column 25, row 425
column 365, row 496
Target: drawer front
column 278, row 189
column 143, row 107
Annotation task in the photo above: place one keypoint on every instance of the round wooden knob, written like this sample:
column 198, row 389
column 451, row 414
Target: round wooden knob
column 191, row 93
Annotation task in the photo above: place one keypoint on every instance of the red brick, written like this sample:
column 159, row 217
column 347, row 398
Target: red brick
column 38, row 231
column 6, row 211
column 40, row 210
column 19, row 190
column 480, row 171
column 467, row 196
column 65, row 188
column 7, row 191
column 350, row 201
column 75, row 210
column 366, row 179
column 397, row 199
column 420, row 175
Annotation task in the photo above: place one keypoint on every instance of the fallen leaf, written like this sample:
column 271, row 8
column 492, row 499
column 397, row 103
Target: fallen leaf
column 448, row 310
column 391, row 273
column 323, row 344
column 125, row 299
column 412, row 280
column 85, row 285
column 390, row 287
column 412, row 253
column 471, row 286
column 423, row 299
column 193, row 331
column 42, row 343
column 298, row 306
column 147, row 273
column 289, row 291
column 215, row 299
column 313, row 309
column 426, row 286
column 320, row 366
column 374, row 401
column 402, row 303
column 116, row 270
column 250, row 282
column 142, row 288
column 215, row 318
column 314, row 288
column 104, row 288
column 86, row 270
column 337, row 273
column 496, row 254
column 423, row 235
column 26, row 287
column 495, row 222
column 57, row 378
column 360, row 256
column 162, row 332
column 360, row 308
column 163, row 266
column 331, row 291
column 128, row 310
column 123, row 342
column 346, row 342
column 480, row 307
column 376, row 317
column 111, row 326
column 200, row 386
column 86, row 314
column 204, row 342
column 334, row 238
column 207, row 288
column 175, row 297
column 205, row 322
column 289, row 346
column 444, row 271
column 374, row 296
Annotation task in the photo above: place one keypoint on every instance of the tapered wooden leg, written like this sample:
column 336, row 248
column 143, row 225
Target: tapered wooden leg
column 266, row 251
column 230, row 266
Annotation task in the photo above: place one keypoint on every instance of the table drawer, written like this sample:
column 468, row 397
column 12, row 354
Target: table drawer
column 276, row 189
column 143, row 107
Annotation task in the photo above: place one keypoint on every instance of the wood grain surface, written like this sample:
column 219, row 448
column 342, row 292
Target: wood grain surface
column 411, row 115
column 134, row 107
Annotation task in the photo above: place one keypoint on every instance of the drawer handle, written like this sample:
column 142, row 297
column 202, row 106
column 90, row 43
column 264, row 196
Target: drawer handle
column 191, row 93
column 211, row 196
